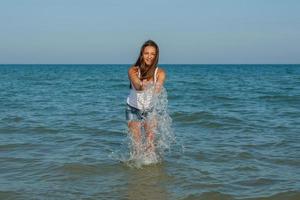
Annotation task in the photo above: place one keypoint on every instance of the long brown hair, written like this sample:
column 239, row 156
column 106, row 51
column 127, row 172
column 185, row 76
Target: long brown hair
column 147, row 71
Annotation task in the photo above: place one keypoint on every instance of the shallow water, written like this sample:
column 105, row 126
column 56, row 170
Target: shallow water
column 236, row 126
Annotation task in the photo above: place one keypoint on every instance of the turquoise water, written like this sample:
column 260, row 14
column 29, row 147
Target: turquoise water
column 236, row 126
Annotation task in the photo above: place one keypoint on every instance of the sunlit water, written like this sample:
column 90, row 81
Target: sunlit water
column 234, row 133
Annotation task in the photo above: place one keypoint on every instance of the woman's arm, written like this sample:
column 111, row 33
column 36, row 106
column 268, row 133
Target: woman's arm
column 160, row 80
column 133, row 77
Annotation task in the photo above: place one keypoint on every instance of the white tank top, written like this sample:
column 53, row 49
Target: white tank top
column 141, row 99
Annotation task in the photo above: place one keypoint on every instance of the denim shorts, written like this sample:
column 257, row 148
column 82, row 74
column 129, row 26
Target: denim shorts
column 133, row 113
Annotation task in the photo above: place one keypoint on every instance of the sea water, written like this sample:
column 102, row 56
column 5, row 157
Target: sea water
column 236, row 130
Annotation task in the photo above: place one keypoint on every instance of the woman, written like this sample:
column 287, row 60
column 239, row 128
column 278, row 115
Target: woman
column 146, row 80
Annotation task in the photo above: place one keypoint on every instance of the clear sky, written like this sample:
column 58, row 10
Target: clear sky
column 187, row 31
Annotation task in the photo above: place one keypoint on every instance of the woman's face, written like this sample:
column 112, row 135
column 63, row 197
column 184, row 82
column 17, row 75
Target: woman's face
column 149, row 55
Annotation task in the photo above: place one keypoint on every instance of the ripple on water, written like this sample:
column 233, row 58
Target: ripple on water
column 289, row 195
column 198, row 156
column 10, row 195
column 42, row 129
column 246, row 168
column 17, row 146
column 206, row 119
column 12, row 119
column 202, row 119
column 90, row 169
column 108, row 132
column 244, row 155
column 210, row 124
column 295, row 162
column 203, row 186
column 281, row 99
column 257, row 182
column 192, row 116
column 209, row 196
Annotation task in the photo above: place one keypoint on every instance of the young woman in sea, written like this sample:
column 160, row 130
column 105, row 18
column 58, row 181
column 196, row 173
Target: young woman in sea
column 146, row 80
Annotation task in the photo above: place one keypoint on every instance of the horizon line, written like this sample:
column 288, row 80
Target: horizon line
column 158, row 65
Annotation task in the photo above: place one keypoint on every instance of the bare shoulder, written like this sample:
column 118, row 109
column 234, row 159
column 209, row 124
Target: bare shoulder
column 132, row 70
column 161, row 72
column 161, row 75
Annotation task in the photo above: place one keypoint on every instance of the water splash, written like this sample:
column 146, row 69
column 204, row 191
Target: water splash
column 156, row 133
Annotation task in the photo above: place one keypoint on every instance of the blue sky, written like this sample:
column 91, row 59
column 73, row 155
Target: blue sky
column 112, row 31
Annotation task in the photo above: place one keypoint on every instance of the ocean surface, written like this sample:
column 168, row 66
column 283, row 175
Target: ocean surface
column 236, row 127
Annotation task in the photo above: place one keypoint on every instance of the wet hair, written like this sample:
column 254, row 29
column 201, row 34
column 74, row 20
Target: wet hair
column 147, row 71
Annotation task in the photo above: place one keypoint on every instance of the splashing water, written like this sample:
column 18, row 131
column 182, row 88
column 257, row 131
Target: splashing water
column 153, row 144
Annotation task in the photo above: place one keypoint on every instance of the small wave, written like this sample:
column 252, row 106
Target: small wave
column 205, row 185
column 224, row 98
column 79, row 168
column 198, row 155
column 106, row 132
column 88, row 169
column 12, row 119
column 15, row 160
column 291, row 113
column 9, row 195
column 289, row 195
column 43, row 129
column 206, row 119
column 209, row 124
column 286, row 161
column 246, row 168
column 261, row 144
column 14, row 146
column 256, row 182
column 281, row 98
column 244, row 155
column 209, row 196
column 192, row 117
column 118, row 85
